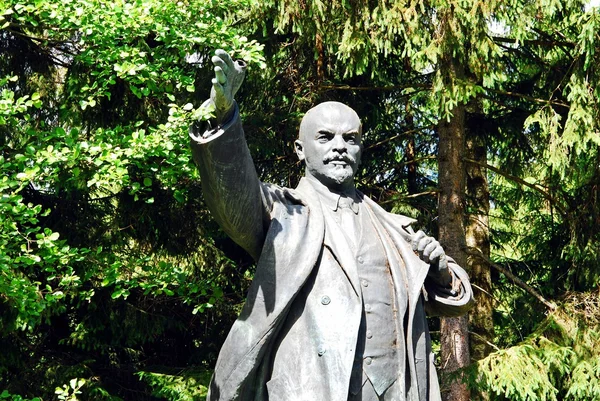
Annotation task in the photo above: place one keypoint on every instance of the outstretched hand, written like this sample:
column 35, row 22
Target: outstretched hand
column 229, row 76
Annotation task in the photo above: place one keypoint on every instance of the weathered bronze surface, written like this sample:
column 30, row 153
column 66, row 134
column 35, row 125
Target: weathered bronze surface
column 336, row 310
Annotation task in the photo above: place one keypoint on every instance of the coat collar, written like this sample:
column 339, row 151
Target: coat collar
column 334, row 200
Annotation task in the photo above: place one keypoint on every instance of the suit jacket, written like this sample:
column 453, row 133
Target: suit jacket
column 288, row 344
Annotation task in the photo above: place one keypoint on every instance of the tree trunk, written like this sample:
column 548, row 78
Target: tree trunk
column 454, row 331
column 410, row 153
column 320, row 58
column 451, row 210
column 478, row 240
column 481, row 324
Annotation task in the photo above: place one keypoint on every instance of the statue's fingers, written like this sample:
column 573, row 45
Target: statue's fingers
column 220, row 75
column 429, row 248
column 219, row 62
column 443, row 262
column 423, row 243
column 416, row 239
column 225, row 57
column 218, row 88
column 436, row 253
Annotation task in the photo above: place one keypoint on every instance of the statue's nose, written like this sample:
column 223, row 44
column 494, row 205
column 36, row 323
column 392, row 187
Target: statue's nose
column 339, row 144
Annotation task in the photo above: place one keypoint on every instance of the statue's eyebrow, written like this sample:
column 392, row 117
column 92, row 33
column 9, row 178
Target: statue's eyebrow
column 325, row 132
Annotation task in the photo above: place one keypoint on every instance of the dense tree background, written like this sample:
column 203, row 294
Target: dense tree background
column 481, row 120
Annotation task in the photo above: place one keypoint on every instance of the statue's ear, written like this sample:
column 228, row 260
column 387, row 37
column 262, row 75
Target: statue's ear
column 299, row 149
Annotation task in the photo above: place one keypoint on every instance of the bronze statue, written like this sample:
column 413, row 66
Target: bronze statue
column 336, row 310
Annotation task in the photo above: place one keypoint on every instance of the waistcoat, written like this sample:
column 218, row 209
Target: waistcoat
column 379, row 358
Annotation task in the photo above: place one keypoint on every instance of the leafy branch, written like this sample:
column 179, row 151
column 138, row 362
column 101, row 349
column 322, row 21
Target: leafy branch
column 521, row 181
column 477, row 253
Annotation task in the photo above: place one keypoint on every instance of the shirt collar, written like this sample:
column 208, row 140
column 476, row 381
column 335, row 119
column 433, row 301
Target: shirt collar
column 334, row 200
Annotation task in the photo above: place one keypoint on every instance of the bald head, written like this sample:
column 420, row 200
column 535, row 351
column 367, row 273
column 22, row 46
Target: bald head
column 329, row 143
column 330, row 114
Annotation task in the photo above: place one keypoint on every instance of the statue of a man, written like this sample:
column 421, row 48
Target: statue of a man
column 336, row 310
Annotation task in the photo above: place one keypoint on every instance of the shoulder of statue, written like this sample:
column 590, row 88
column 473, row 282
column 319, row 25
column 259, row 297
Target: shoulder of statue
column 276, row 193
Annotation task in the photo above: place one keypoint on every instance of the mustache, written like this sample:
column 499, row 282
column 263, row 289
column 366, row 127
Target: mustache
column 339, row 157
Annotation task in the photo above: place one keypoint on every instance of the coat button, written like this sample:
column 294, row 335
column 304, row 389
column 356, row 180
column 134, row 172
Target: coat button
column 369, row 334
column 365, row 283
column 321, row 350
column 361, row 260
column 368, row 360
column 367, row 307
column 325, row 300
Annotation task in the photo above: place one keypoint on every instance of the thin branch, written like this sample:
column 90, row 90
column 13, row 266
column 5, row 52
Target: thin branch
column 103, row 198
column 477, row 253
column 499, row 302
column 544, row 43
column 372, row 88
column 403, row 133
column 521, row 181
column 397, row 166
column 35, row 39
column 274, row 159
column 564, row 45
column 481, row 338
column 485, row 292
column 416, row 160
column 58, row 62
column 402, row 197
column 530, row 98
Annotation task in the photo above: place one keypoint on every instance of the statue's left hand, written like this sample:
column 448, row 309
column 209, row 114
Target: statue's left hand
column 430, row 250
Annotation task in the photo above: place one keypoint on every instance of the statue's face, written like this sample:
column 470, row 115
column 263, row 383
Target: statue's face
column 330, row 144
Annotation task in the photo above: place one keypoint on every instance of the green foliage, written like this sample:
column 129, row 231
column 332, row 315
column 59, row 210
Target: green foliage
column 105, row 246
column 187, row 385
column 558, row 361
column 26, row 246
column 70, row 392
column 7, row 396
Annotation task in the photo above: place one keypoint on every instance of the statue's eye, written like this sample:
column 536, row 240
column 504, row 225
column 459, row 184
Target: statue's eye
column 324, row 137
column 351, row 139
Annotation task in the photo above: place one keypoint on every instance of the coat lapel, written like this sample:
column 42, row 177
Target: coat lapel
column 397, row 229
column 400, row 232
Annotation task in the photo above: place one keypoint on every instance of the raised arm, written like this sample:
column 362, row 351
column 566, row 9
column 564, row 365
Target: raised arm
column 229, row 181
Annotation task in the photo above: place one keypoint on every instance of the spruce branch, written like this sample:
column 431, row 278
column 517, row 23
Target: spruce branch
column 403, row 133
column 411, row 196
column 520, row 283
column 526, row 97
column 482, row 339
column 521, row 181
column 373, row 88
column 538, row 42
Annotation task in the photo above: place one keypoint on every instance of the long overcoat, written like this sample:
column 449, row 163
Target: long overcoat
column 301, row 262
